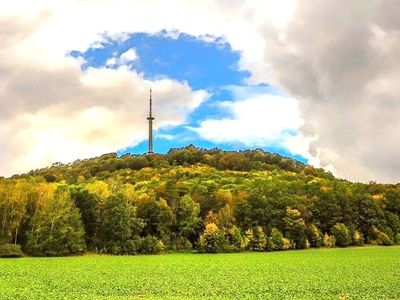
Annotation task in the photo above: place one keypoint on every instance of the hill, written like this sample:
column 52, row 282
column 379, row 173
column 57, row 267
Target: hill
column 189, row 198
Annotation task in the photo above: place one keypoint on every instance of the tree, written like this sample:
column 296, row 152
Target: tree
column 88, row 207
column 225, row 217
column 186, row 220
column 235, row 239
column 13, row 201
column 314, row 236
column 275, row 241
column 370, row 216
column 158, row 218
column 342, row 234
column 118, row 226
column 56, row 228
column 258, row 241
column 186, row 216
column 295, row 227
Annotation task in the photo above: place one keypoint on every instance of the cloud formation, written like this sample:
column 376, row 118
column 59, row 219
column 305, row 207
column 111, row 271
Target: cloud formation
column 337, row 58
column 52, row 110
column 57, row 112
column 340, row 59
column 256, row 121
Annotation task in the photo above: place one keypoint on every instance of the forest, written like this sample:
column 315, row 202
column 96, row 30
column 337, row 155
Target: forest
column 191, row 199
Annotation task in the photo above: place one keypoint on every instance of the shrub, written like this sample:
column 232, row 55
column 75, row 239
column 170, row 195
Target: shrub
column 183, row 244
column 358, row 238
column 314, row 236
column 133, row 245
column 328, row 241
column 235, row 239
column 397, row 239
column 151, row 245
column 342, row 234
column 10, row 250
column 381, row 238
column 275, row 241
column 212, row 239
column 287, row 244
column 259, row 241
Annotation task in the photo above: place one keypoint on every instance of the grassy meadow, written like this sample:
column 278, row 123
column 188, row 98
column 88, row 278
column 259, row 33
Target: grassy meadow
column 352, row 273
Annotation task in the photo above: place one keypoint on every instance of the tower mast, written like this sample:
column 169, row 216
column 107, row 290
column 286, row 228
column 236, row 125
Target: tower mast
column 150, row 118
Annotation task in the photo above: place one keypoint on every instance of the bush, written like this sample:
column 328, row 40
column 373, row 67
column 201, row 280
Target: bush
column 358, row 238
column 381, row 238
column 275, row 241
column 133, row 245
column 314, row 236
column 287, row 244
column 397, row 239
column 151, row 245
column 235, row 240
column 212, row 239
column 183, row 244
column 259, row 241
column 10, row 250
column 328, row 241
column 342, row 234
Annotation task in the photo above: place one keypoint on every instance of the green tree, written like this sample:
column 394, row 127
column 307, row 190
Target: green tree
column 118, row 226
column 158, row 218
column 235, row 239
column 276, row 240
column 258, row 241
column 186, row 216
column 56, row 227
column 88, row 207
column 342, row 234
column 295, row 227
column 314, row 235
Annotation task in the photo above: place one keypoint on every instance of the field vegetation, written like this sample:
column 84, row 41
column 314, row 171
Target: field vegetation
column 353, row 273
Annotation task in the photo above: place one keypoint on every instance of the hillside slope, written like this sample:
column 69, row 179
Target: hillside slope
column 189, row 198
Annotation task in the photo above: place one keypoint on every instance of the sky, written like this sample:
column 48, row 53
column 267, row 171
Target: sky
column 312, row 80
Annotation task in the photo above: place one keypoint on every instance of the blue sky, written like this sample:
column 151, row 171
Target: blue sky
column 205, row 65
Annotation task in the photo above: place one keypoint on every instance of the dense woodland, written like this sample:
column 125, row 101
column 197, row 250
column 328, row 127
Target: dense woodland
column 192, row 199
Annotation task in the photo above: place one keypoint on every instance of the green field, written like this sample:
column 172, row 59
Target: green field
column 353, row 273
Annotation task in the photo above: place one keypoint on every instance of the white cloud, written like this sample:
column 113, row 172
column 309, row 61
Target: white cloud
column 106, row 114
column 256, row 121
column 125, row 58
column 128, row 56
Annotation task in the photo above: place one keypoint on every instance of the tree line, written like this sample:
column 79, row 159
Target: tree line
column 192, row 200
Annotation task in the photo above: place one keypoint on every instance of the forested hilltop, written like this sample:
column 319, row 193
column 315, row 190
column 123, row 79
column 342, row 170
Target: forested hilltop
column 191, row 199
